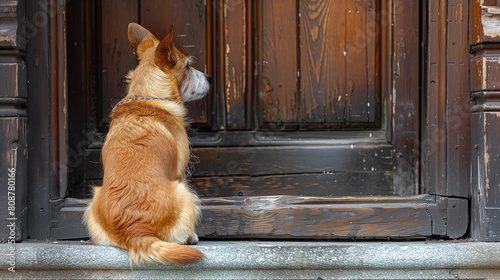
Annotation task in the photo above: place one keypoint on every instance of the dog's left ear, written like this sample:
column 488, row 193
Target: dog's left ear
column 165, row 52
column 140, row 39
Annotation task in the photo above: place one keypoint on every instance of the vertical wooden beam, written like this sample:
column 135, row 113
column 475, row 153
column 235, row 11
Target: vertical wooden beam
column 485, row 189
column 43, row 145
column 406, row 106
column 457, row 100
column 234, row 52
column 13, row 118
column 446, row 133
column 277, row 89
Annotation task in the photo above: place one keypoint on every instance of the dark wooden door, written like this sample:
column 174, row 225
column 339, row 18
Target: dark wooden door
column 312, row 98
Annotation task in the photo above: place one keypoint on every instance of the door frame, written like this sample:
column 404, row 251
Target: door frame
column 442, row 210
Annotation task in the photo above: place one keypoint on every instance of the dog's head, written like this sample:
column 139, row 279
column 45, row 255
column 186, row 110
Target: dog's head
column 192, row 84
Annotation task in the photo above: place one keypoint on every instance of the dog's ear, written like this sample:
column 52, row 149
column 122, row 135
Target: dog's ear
column 165, row 52
column 140, row 39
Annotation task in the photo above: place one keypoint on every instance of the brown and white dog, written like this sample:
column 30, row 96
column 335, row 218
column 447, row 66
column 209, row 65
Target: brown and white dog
column 145, row 204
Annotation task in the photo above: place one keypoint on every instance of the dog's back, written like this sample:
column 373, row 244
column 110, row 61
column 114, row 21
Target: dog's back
column 144, row 204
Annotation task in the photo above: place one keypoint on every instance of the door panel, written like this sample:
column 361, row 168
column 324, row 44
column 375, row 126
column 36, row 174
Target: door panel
column 278, row 106
column 310, row 98
column 332, row 81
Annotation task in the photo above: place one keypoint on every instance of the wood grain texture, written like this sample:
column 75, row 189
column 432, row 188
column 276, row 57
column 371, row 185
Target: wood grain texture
column 322, row 61
column 338, row 76
column 12, row 79
column 406, row 106
column 115, row 55
column 458, row 100
column 485, row 68
column 485, row 18
column 40, row 74
column 338, row 62
column 13, row 33
column 292, row 160
column 434, row 138
column 189, row 19
column 281, row 216
column 234, row 53
column 279, row 85
column 321, row 185
column 485, row 190
column 298, row 217
column 13, row 149
column 357, row 67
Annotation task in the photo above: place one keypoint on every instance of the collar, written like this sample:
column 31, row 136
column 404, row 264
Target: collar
column 135, row 98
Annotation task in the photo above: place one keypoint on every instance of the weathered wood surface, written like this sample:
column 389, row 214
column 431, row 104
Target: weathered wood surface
column 313, row 217
column 13, row 175
column 406, row 107
column 279, row 87
column 485, row 15
column 13, row 80
column 309, row 76
column 485, row 212
column 321, row 184
column 334, row 80
column 42, row 94
column 235, row 73
column 458, row 100
column 485, row 67
column 13, row 34
column 485, row 156
column 13, row 123
column 447, row 132
column 290, row 160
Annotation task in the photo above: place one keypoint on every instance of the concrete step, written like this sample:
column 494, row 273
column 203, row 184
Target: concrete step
column 262, row 260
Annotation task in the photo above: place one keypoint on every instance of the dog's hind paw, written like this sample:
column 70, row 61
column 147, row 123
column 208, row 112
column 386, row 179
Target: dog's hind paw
column 193, row 239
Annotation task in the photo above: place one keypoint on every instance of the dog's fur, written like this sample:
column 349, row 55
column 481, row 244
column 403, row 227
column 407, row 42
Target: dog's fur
column 145, row 204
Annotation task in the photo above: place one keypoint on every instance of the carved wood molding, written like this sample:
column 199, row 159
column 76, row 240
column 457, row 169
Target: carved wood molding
column 485, row 119
column 485, row 22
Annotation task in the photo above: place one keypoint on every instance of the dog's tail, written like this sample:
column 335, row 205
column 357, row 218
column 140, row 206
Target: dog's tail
column 143, row 243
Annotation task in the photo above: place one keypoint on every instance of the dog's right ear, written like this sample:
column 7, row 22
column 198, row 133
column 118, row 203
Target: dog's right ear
column 140, row 39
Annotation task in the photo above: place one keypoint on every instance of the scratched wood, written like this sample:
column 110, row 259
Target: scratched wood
column 312, row 217
column 339, row 63
column 14, row 150
column 295, row 217
column 291, row 160
column 485, row 57
column 115, row 54
column 190, row 23
column 320, row 185
column 279, row 85
column 357, row 67
column 484, row 21
column 434, row 141
column 485, row 176
column 234, row 57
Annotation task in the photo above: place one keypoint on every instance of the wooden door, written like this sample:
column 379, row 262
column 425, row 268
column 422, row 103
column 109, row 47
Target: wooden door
column 313, row 116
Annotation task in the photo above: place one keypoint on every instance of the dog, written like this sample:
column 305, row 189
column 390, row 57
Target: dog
column 145, row 204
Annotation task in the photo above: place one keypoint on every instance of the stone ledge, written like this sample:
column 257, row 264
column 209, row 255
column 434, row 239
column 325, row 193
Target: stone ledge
column 258, row 260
